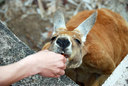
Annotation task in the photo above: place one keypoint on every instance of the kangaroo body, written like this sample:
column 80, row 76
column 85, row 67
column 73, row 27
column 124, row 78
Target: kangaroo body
column 105, row 46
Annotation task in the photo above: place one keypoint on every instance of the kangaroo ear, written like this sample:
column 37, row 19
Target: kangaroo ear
column 59, row 21
column 86, row 25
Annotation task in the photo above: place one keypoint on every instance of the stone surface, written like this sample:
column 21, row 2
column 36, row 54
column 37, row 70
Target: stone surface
column 12, row 50
column 120, row 75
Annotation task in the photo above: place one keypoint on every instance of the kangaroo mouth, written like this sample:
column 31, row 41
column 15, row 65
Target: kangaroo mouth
column 65, row 55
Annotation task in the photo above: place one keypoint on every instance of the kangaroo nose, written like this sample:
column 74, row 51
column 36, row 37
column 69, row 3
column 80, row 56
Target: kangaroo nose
column 63, row 42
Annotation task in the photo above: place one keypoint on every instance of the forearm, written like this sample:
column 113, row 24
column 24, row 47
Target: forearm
column 52, row 66
column 15, row 72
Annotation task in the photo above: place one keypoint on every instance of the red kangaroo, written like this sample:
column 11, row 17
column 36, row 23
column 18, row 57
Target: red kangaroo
column 94, row 43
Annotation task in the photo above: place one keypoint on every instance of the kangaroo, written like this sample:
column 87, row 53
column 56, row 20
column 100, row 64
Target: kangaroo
column 94, row 43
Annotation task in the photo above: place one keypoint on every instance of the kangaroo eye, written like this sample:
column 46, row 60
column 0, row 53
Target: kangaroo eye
column 78, row 41
column 53, row 38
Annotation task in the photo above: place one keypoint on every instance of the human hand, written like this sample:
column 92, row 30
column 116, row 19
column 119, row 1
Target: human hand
column 45, row 63
column 48, row 64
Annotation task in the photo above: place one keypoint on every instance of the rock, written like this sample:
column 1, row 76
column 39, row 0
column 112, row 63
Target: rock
column 13, row 50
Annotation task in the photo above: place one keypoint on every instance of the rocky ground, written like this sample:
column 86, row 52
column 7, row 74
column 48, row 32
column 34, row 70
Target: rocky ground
column 31, row 20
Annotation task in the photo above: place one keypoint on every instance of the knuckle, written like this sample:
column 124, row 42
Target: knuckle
column 52, row 75
column 57, row 76
column 64, row 59
column 61, row 57
column 58, row 71
column 62, row 65
column 63, row 72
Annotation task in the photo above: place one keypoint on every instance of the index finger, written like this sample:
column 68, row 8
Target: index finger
column 64, row 59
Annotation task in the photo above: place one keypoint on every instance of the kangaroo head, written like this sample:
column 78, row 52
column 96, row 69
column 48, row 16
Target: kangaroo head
column 70, row 43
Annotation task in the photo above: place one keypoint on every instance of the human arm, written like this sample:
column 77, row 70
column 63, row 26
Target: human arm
column 46, row 63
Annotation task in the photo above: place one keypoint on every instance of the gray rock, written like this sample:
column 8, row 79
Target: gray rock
column 13, row 50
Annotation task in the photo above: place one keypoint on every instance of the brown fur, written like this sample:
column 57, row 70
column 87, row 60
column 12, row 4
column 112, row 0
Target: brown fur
column 106, row 45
